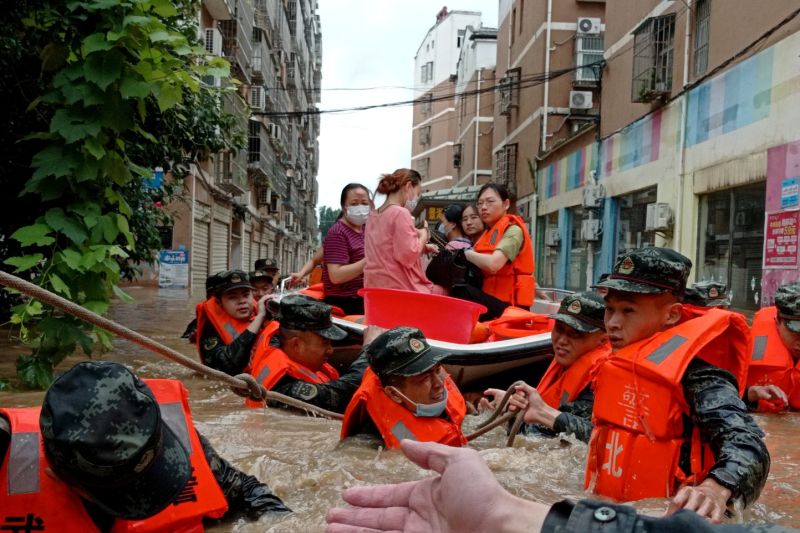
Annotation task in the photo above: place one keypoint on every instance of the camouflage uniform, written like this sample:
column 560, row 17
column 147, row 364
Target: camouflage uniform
column 229, row 358
column 711, row 393
column 576, row 416
column 99, row 413
column 301, row 313
column 707, row 294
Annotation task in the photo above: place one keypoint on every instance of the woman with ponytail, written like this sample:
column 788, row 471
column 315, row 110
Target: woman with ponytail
column 393, row 245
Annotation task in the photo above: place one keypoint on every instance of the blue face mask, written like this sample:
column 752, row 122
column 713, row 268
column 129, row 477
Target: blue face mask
column 427, row 410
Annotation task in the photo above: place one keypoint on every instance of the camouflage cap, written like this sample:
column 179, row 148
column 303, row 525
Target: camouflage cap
column 401, row 351
column 259, row 275
column 265, row 264
column 787, row 300
column 225, row 281
column 707, row 294
column 102, row 431
column 302, row 313
column 649, row 270
column 583, row 311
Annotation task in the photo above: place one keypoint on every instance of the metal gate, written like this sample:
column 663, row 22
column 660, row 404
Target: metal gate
column 199, row 255
column 220, row 244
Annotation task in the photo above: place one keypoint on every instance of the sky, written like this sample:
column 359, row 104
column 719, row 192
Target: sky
column 372, row 43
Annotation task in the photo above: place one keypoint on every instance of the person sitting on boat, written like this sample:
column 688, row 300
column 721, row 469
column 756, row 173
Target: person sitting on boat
column 450, row 228
column 773, row 380
column 471, row 223
column 668, row 417
column 110, row 452
column 228, row 322
column 343, row 251
column 705, row 295
column 563, row 400
column 262, row 283
column 405, row 393
column 393, row 246
column 505, row 255
column 291, row 356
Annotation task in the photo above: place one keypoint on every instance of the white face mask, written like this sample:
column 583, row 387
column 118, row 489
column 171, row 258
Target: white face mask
column 412, row 204
column 357, row 214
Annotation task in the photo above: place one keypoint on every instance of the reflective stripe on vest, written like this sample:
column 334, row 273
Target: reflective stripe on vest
column 395, row 422
column 772, row 362
column 23, row 464
column 639, row 407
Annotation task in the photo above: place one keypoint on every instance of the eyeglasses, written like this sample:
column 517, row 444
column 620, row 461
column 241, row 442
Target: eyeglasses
column 487, row 202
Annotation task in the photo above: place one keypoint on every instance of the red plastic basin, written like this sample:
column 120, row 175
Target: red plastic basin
column 439, row 317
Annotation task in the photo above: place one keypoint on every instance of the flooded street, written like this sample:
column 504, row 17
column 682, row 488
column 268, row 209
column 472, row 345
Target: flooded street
column 302, row 460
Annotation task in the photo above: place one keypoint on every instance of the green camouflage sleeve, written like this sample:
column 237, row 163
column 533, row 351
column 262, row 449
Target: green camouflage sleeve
column 229, row 358
column 736, row 440
column 576, row 416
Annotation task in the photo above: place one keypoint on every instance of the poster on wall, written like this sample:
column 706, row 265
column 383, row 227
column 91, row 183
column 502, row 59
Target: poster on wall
column 173, row 269
column 780, row 239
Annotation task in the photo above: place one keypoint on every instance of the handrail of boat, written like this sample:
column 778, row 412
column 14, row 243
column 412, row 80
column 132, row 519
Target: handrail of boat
column 499, row 351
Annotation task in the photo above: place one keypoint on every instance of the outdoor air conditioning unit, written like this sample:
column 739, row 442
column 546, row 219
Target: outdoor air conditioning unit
column 659, row 217
column 580, row 100
column 593, row 196
column 552, row 237
column 257, row 98
column 589, row 26
column 212, row 81
column 213, row 42
column 590, row 229
column 274, row 130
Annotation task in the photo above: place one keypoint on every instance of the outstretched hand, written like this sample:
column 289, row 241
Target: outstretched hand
column 709, row 499
column 464, row 497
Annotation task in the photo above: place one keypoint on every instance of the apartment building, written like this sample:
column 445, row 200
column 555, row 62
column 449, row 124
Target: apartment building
column 258, row 202
column 696, row 148
column 474, row 103
column 435, row 119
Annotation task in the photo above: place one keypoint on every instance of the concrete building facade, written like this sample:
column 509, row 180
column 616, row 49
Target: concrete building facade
column 435, row 120
column 258, row 202
column 696, row 148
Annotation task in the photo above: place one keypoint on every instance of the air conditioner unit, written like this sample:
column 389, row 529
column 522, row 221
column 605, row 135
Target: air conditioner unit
column 659, row 217
column 589, row 26
column 212, row 81
column 274, row 130
column 552, row 237
column 580, row 100
column 257, row 98
column 590, row 229
column 593, row 196
column 213, row 41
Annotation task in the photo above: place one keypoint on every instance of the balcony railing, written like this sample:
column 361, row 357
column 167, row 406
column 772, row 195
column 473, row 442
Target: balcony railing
column 237, row 37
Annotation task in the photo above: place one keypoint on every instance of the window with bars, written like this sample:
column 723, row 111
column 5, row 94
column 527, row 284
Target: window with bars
column 254, row 142
column 509, row 91
column 423, row 166
column 701, row 32
column 653, row 46
column 588, row 51
column 427, row 103
column 457, row 155
column 506, row 164
column 425, row 135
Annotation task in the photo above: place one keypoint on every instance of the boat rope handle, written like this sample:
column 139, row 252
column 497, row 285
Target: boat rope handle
column 241, row 385
column 497, row 420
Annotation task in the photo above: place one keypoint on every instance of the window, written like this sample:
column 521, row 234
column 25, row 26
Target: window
column 513, row 24
column 460, row 38
column 578, row 257
column 427, row 103
column 633, row 219
column 731, row 241
column 423, row 73
column 457, row 155
column 425, row 135
column 423, row 166
column 653, row 46
column 701, row 32
column 509, row 91
column 549, row 269
column 430, row 71
column 588, row 51
column 506, row 164
column 433, row 43
column 521, row 14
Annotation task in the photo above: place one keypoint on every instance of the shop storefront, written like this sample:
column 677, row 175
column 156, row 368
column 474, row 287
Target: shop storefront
column 632, row 220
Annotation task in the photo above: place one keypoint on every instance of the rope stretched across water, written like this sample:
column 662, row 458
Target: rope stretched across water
column 238, row 382
column 497, row 420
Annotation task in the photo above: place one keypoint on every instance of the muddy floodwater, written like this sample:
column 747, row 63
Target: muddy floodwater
column 304, row 463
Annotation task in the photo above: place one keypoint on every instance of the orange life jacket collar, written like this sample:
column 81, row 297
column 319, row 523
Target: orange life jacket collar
column 560, row 384
column 514, row 282
column 227, row 327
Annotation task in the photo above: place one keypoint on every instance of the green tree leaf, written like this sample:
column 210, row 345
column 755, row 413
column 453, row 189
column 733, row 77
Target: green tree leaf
column 34, row 372
column 103, row 68
column 168, row 96
column 122, row 295
column 95, row 42
column 25, row 262
column 59, row 285
column 35, row 234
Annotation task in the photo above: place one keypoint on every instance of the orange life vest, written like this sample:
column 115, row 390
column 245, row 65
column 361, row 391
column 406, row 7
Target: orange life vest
column 395, row 422
column 634, row 451
column 514, row 282
column 30, row 493
column 771, row 361
column 270, row 364
column 563, row 384
column 227, row 327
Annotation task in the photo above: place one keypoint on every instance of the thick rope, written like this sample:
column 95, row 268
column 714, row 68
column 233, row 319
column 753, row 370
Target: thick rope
column 497, row 420
column 45, row 296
